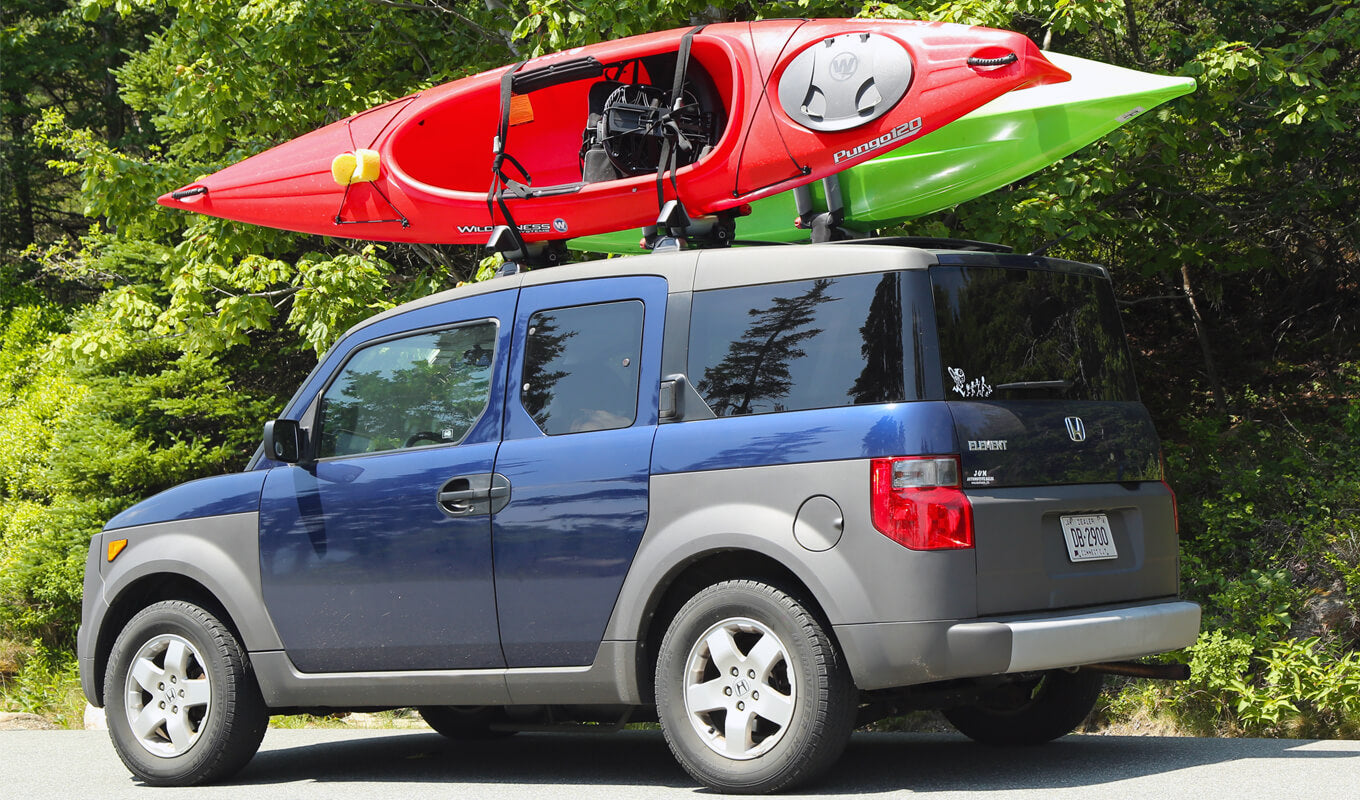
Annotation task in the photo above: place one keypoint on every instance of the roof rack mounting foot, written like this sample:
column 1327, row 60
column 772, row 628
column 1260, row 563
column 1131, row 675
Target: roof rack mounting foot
column 520, row 255
column 676, row 230
column 826, row 226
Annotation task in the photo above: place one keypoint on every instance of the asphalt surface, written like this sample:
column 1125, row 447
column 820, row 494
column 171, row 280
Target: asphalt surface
column 378, row 765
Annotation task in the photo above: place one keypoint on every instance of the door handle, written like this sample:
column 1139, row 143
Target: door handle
column 464, row 494
column 473, row 495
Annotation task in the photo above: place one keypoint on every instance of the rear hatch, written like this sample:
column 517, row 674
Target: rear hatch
column 1060, row 459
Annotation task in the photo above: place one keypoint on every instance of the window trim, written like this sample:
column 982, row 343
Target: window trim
column 314, row 416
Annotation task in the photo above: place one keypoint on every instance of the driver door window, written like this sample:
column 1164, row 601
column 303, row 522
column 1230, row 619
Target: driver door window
column 410, row 392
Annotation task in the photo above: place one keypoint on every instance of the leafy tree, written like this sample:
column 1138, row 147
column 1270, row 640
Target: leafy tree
column 52, row 58
column 86, row 438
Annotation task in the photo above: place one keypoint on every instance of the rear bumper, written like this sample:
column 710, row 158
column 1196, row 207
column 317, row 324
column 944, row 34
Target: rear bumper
column 884, row 655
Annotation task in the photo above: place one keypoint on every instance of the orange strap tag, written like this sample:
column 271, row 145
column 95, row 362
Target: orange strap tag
column 521, row 110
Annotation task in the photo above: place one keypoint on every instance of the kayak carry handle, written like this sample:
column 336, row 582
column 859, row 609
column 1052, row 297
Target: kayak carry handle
column 183, row 193
column 542, row 77
column 1009, row 58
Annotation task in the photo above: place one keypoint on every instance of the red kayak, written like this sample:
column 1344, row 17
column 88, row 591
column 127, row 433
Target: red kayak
column 573, row 143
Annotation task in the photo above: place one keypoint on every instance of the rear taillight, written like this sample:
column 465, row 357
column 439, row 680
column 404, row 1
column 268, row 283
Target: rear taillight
column 918, row 502
column 1175, row 508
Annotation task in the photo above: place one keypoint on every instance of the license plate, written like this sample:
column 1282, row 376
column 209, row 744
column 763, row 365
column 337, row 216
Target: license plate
column 1089, row 537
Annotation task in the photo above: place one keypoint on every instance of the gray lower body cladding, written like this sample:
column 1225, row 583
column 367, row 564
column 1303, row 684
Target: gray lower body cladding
column 218, row 553
column 903, row 617
column 610, row 680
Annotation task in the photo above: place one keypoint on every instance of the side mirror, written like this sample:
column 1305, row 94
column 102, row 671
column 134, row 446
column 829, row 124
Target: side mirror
column 283, row 440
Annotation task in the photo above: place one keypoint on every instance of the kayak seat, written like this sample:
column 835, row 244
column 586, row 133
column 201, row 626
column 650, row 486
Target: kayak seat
column 595, row 163
column 596, row 167
column 638, row 121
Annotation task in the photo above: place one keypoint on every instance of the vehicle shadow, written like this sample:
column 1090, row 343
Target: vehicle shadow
column 874, row 762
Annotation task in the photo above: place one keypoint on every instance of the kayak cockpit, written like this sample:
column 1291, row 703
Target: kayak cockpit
column 585, row 123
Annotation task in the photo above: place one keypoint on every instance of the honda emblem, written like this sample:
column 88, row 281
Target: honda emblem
column 1076, row 429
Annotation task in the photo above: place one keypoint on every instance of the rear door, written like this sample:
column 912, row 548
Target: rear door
column 1059, row 457
column 581, row 412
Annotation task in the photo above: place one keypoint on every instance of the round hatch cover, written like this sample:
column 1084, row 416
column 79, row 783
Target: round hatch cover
column 845, row 81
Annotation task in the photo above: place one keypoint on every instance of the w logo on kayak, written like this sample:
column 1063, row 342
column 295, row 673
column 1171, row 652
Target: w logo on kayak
column 844, row 66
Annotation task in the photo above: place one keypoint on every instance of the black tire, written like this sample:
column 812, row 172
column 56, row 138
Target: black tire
column 1030, row 712
column 778, row 647
column 192, row 674
column 465, row 722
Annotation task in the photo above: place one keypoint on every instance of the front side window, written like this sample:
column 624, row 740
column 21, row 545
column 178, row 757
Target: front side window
column 416, row 391
column 581, row 367
column 800, row 345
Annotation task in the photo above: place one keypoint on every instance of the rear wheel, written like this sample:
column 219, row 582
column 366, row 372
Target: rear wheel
column 1030, row 712
column 183, row 705
column 464, row 722
column 752, row 694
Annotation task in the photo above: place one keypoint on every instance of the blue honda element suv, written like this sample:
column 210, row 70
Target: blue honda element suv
column 762, row 495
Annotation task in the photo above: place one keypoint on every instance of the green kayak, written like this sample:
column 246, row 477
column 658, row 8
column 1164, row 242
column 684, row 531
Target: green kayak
column 1015, row 135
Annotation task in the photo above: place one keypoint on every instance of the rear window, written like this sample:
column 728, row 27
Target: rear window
column 798, row 345
column 1021, row 334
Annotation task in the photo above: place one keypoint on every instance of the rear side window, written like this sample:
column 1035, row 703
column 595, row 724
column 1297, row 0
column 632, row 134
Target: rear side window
column 1021, row 334
column 415, row 391
column 581, row 367
column 800, row 345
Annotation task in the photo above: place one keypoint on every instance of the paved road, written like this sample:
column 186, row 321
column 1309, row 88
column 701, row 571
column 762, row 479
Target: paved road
column 377, row 765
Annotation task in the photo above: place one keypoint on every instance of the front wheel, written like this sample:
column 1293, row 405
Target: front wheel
column 752, row 693
column 1030, row 712
column 183, row 705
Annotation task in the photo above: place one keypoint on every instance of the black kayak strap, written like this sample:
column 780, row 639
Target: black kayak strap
column 668, row 155
column 503, row 127
column 495, row 195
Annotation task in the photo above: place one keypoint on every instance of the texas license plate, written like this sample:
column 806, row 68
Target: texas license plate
column 1089, row 537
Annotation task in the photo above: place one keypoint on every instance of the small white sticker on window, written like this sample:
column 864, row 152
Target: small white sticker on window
column 977, row 387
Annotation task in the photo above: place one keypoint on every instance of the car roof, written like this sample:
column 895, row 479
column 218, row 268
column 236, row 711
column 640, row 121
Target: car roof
column 702, row 270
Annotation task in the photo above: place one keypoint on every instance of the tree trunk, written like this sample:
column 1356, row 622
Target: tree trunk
column 1202, row 333
column 114, row 111
column 25, row 230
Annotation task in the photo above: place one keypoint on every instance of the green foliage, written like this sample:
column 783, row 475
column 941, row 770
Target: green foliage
column 1217, row 659
column 86, row 437
column 47, row 683
column 1258, row 602
column 1312, row 685
column 1294, row 687
column 1270, row 509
